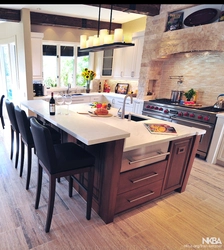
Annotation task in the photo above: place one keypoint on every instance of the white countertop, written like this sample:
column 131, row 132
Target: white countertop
column 93, row 130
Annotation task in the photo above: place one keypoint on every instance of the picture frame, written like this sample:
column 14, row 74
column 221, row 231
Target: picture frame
column 122, row 88
column 175, row 21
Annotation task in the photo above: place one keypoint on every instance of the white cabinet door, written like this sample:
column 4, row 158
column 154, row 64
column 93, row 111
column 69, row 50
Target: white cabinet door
column 97, row 98
column 83, row 99
column 37, row 55
column 127, row 61
column 137, row 56
column 138, row 106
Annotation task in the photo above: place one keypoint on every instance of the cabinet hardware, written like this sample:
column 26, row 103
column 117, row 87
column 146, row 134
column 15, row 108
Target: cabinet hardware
column 159, row 154
column 144, row 178
column 141, row 197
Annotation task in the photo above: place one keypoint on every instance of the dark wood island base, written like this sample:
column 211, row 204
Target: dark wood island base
column 115, row 192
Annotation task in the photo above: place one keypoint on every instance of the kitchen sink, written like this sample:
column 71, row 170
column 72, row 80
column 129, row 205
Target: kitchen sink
column 76, row 94
column 136, row 118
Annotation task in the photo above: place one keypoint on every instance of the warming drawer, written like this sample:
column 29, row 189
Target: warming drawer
column 144, row 156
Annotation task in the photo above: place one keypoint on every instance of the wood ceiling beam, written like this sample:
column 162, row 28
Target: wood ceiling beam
column 10, row 15
column 71, row 22
column 143, row 9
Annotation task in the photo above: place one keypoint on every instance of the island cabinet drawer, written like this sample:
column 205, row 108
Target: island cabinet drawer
column 138, row 196
column 141, row 176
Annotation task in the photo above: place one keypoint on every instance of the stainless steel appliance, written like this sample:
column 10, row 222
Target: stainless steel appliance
column 192, row 116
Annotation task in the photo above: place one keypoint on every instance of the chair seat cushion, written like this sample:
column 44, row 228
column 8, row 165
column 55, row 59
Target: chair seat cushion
column 70, row 156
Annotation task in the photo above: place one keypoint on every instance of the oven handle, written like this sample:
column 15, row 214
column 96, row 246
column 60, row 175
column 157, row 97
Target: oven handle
column 196, row 123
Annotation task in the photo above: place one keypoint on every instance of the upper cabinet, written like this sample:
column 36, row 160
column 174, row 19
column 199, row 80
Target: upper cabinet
column 127, row 61
column 37, row 55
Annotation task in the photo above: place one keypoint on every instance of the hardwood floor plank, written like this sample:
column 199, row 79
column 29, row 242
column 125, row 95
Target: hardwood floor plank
column 173, row 222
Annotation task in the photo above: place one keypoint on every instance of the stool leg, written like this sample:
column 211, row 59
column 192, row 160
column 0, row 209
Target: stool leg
column 89, row 194
column 39, row 183
column 70, row 187
column 52, row 185
column 12, row 143
column 17, row 149
column 3, row 122
column 29, row 149
column 22, row 158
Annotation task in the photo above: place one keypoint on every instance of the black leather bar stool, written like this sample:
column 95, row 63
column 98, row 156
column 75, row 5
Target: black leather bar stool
column 60, row 160
column 26, row 138
column 14, row 129
column 1, row 111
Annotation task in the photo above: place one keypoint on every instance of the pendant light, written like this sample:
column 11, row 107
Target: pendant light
column 103, row 40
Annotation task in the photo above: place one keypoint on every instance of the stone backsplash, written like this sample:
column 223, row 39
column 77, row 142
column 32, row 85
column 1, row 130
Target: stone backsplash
column 196, row 53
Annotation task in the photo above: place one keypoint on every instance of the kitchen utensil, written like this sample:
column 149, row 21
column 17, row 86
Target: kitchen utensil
column 176, row 96
column 220, row 102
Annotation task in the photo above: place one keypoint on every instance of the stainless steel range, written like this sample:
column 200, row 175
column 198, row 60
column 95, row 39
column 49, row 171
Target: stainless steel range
column 192, row 116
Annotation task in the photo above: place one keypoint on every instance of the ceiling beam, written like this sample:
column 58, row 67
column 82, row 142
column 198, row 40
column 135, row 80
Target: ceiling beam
column 10, row 15
column 71, row 22
column 143, row 9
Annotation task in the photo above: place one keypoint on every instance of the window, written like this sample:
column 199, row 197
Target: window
column 8, row 70
column 61, row 62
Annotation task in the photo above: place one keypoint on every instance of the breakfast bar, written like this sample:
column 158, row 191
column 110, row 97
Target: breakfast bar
column 121, row 174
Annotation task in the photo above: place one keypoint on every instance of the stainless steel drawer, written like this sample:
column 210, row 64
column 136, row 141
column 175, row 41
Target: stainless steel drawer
column 144, row 156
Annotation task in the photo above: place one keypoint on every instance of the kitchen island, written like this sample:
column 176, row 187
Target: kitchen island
column 133, row 166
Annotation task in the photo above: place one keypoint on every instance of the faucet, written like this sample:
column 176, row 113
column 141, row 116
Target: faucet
column 69, row 86
column 123, row 108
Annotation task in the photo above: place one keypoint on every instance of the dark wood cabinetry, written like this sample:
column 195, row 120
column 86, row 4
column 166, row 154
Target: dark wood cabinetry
column 140, row 185
column 177, row 164
column 146, row 183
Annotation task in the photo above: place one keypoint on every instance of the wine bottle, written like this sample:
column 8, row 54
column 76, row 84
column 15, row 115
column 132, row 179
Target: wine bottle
column 52, row 104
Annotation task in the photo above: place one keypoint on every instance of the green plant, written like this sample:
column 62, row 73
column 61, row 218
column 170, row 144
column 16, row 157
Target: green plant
column 190, row 93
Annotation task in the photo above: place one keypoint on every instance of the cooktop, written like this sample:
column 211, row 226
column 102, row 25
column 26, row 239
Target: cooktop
column 199, row 107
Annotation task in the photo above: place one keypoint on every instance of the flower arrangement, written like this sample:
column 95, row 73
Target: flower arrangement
column 88, row 74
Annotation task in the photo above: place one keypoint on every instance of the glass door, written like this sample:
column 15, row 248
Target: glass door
column 8, row 71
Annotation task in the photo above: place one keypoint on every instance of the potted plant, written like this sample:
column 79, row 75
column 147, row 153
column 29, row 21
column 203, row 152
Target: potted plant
column 190, row 94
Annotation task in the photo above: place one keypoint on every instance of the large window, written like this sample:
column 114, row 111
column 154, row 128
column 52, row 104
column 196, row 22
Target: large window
column 61, row 62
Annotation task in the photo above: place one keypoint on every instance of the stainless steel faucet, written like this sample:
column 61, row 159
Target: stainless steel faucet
column 123, row 108
column 69, row 86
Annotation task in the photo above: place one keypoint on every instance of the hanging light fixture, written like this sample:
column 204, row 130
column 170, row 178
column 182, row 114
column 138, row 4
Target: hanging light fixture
column 104, row 40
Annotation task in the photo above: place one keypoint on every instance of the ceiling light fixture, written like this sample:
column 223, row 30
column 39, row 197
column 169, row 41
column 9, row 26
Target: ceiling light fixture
column 104, row 40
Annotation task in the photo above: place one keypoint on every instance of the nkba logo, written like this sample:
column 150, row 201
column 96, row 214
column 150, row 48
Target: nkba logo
column 211, row 240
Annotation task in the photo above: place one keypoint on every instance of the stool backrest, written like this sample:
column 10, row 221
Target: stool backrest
column 24, row 125
column 1, row 105
column 43, row 144
column 11, row 113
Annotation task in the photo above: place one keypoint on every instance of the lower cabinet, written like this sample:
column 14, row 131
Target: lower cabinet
column 177, row 164
column 140, row 185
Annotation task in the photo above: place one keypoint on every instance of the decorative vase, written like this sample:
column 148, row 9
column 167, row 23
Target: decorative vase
column 88, row 86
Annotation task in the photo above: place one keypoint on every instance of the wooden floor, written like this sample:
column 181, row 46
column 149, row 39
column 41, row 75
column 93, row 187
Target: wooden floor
column 177, row 221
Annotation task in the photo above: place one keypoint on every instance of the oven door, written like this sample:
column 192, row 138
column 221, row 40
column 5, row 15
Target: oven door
column 205, row 139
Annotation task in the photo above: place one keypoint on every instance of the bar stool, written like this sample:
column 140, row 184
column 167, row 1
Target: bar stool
column 1, row 111
column 26, row 138
column 14, row 129
column 60, row 160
